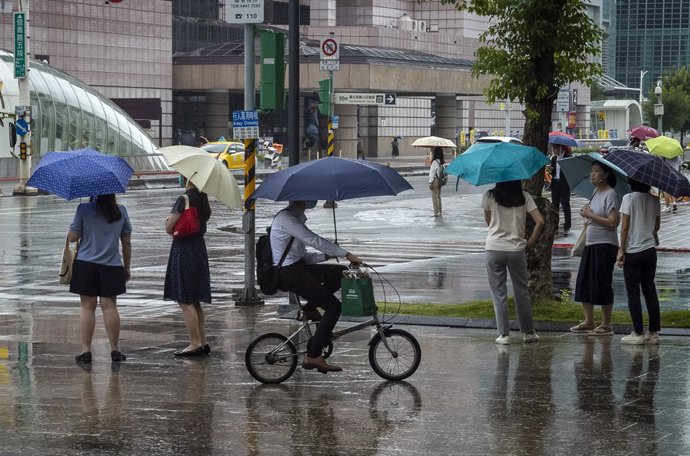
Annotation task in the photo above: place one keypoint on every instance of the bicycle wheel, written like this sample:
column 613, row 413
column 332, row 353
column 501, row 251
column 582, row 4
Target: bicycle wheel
column 403, row 358
column 268, row 363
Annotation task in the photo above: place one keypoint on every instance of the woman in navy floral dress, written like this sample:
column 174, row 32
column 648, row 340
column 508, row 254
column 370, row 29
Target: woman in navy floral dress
column 187, row 279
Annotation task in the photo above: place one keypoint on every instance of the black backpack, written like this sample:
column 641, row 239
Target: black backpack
column 267, row 275
column 442, row 176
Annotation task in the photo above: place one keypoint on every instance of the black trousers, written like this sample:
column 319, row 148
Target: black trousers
column 639, row 270
column 560, row 196
column 317, row 283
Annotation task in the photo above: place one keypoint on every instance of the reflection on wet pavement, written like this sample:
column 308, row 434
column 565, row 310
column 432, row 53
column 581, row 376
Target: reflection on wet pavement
column 566, row 395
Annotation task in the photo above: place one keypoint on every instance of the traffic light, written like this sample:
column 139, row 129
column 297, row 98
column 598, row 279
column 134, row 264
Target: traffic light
column 325, row 97
column 22, row 151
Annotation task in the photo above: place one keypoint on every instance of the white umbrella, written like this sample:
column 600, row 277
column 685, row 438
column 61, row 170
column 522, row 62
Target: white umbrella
column 433, row 141
column 208, row 174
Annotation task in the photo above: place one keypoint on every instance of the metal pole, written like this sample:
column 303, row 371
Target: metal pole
column 642, row 73
column 330, row 148
column 249, row 297
column 507, row 116
column 293, row 82
column 25, row 101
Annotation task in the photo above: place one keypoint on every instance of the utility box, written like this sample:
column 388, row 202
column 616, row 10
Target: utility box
column 272, row 71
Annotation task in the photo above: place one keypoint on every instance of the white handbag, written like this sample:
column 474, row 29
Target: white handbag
column 67, row 263
column 579, row 246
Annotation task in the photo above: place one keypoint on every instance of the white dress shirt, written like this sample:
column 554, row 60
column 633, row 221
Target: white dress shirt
column 434, row 170
column 290, row 222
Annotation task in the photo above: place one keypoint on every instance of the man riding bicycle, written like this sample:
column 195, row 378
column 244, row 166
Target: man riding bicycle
column 300, row 274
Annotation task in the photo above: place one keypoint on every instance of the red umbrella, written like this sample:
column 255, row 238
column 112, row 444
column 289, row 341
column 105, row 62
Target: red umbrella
column 561, row 133
column 643, row 132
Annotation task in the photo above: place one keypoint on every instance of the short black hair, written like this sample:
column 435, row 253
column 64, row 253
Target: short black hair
column 637, row 186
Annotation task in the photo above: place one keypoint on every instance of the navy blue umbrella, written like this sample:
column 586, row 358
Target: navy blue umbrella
column 81, row 173
column 651, row 170
column 332, row 179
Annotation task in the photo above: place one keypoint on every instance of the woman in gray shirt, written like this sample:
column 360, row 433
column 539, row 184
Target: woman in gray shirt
column 595, row 276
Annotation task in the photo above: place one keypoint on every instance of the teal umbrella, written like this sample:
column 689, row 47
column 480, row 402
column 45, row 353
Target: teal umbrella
column 576, row 170
column 488, row 163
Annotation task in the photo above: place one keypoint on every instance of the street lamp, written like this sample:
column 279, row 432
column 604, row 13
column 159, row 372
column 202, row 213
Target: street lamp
column 659, row 106
column 642, row 73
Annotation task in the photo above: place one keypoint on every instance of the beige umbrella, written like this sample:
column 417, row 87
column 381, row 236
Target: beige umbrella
column 433, row 141
column 208, row 174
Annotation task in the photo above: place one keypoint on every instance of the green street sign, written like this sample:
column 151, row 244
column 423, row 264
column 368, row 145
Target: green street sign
column 19, row 45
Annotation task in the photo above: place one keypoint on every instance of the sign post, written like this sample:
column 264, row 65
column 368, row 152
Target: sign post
column 330, row 61
column 245, row 125
column 23, row 110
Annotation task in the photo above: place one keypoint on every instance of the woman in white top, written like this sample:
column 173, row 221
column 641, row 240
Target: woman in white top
column 505, row 211
column 434, row 180
column 594, row 285
column 640, row 223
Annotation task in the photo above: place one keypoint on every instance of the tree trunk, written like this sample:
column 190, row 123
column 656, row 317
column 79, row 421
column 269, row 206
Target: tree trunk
column 537, row 126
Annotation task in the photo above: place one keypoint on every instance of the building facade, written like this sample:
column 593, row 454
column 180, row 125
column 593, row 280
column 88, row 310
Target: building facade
column 647, row 35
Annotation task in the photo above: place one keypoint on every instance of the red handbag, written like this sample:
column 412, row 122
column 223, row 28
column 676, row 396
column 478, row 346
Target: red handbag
column 188, row 224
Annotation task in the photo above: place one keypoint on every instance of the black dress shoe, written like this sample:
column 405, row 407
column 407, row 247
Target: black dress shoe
column 199, row 351
column 84, row 357
column 207, row 349
column 117, row 355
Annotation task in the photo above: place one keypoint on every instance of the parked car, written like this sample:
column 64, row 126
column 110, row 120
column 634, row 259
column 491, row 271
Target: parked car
column 495, row 139
column 613, row 144
column 230, row 153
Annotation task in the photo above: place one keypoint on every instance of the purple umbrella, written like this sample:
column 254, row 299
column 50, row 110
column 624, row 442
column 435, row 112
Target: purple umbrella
column 651, row 170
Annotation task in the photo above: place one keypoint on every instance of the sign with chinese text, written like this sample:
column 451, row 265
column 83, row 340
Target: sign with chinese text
column 244, row 11
column 19, row 45
column 245, row 124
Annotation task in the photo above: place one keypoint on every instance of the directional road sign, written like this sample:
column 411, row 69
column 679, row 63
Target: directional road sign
column 365, row 98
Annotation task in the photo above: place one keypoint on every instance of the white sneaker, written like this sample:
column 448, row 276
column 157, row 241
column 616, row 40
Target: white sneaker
column 530, row 337
column 503, row 340
column 651, row 339
column 633, row 339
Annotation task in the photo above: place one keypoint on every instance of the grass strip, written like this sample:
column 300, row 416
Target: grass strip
column 542, row 310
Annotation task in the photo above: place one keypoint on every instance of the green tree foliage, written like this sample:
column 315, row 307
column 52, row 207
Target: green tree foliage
column 531, row 49
column 676, row 100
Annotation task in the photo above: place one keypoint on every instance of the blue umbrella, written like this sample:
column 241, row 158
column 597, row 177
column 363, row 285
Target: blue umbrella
column 577, row 168
column 651, row 170
column 488, row 163
column 562, row 140
column 81, row 173
column 332, row 179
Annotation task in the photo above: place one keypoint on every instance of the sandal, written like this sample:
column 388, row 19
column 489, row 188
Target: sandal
column 601, row 331
column 581, row 328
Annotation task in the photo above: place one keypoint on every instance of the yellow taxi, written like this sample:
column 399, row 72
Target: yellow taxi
column 230, row 153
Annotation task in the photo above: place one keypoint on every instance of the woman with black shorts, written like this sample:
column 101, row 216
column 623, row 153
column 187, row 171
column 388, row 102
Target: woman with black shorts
column 594, row 284
column 188, row 278
column 99, row 270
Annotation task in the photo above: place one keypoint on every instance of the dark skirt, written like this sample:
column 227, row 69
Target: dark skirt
column 93, row 279
column 187, row 279
column 595, row 277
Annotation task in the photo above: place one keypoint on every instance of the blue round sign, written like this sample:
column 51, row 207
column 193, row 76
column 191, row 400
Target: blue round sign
column 22, row 127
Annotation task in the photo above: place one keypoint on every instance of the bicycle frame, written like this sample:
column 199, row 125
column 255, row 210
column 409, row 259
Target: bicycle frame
column 306, row 327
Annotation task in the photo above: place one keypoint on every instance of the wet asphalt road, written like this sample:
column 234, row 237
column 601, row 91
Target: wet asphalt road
column 565, row 395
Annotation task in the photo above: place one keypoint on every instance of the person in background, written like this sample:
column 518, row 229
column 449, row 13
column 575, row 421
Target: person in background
column 670, row 201
column 99, row 270
column 594, row 284
column 187, row 277
column 560, row 190
column 301, row 274
column 635, row 143
column 640, row 222
column 434, row 180
column 395, row 150
column 505, row 211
